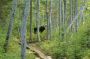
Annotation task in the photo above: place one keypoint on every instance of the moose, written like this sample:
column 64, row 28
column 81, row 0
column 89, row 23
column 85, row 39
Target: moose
column 41, row 29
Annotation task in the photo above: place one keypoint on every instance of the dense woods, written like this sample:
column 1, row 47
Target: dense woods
column 44, row 29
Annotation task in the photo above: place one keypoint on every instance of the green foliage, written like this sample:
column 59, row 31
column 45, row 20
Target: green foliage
column 75, row 47
column 13, row 50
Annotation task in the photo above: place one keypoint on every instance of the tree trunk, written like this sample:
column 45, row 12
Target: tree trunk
column 71, row 14
column 76, row 12
column 60, row 19
column 23, row 28
column 14, row 6
column 47, row 18
column 50, row 21
column 30, row 20
column 38, row 19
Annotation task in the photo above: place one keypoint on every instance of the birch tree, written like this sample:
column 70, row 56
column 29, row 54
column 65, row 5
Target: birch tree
column 47, row 18
column 23, row 28
column 82, row 15
column 76, row 12
column 71, row 12
column 60, row 18
column 12, row 15
column 30, row 20
column 64, row 18
column 38, row 18
column 49, row 21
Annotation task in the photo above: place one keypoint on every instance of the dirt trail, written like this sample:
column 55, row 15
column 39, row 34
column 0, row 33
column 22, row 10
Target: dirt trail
column 37, row 50
column 39, row 53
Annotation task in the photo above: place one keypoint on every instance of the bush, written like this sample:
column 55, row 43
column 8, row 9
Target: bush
column 74, row 47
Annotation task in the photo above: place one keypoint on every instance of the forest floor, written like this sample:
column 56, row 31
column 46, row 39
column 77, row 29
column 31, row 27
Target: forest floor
column 38, row 52
column 35, row 49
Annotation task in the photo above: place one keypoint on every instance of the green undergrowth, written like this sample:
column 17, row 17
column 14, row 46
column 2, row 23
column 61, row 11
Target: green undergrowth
column 14, row 50
column 75, row 47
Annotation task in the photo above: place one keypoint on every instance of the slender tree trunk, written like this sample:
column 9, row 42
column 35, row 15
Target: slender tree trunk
column 47, row 19
column 60, row 19
column 14, row 6
column 64, row 18
column 76, row 12
column 38, row 19
column 0, row 12
column 84, row 4
column 50, row 21
column 71, row 13
column 30, row 20
column 23, row 28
